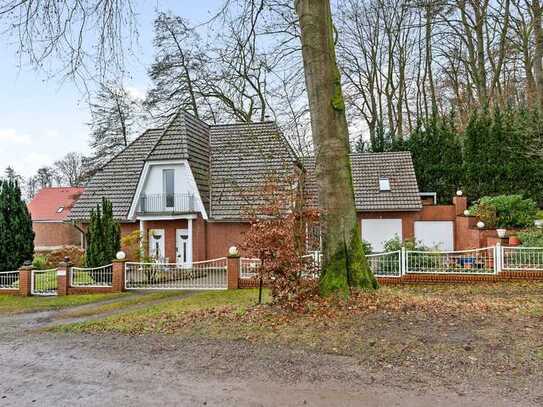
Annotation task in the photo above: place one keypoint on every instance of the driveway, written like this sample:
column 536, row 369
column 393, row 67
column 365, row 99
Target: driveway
column 54, row 369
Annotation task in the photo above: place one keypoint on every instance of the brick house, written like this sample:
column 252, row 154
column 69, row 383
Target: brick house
column 184, row 188
column 49, row 210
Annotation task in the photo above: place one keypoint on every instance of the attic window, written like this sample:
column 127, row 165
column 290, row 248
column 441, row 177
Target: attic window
column 60, row 209
column 384, row 184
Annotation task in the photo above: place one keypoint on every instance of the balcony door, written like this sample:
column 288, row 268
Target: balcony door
column 168, row 187
column 183, row 247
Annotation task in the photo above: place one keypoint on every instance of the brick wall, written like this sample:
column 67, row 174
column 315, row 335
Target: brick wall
column 436, row 279
column 222, row 235
column 55, row 234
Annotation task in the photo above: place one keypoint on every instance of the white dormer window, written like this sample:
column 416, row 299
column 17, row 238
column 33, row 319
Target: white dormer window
column 60, row 209
column 384, row 184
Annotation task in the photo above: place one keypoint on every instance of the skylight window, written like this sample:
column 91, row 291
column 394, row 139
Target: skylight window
column 60, row 209
column 384, row 184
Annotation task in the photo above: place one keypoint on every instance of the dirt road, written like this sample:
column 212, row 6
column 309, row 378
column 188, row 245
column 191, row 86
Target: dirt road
column 52, row 369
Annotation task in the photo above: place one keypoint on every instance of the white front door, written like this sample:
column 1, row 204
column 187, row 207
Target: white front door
column 156, row 244
column 183, row 247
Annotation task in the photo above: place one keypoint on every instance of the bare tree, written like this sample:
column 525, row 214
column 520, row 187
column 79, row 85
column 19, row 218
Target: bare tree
column 70, row 169
column 31, row 187
column 113, row 122
column 45, row 177
column 77, row 39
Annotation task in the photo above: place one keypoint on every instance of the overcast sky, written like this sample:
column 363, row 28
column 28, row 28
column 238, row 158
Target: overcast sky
column 42, row 120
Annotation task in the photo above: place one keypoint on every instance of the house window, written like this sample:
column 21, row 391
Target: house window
column 60, row 209
column 168, row 179
column 384, row 184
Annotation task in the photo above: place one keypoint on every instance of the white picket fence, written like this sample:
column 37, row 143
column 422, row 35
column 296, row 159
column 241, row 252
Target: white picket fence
column 92, row 276
column 9, row 280
column 249, row 267
column 203, row 275
column 521, row 258
column 484, row 261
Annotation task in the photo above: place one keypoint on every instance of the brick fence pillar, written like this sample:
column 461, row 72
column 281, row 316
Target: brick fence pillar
column 25, row 280
column 232, row 271
column 117, row 282
column 460, row 205
column 63, row 276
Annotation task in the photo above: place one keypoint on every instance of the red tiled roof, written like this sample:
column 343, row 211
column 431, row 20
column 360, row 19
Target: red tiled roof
column 48, row 201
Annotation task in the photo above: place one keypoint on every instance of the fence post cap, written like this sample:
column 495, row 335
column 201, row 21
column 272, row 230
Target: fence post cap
column 27, row 265
column 65, row 263
column 233, row 252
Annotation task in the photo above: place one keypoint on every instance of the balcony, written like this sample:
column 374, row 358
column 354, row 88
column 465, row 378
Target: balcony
column 152, row 204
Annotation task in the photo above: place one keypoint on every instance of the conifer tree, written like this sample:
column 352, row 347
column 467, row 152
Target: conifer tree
column 437, row 157
column 16, row 234
column 103, row 236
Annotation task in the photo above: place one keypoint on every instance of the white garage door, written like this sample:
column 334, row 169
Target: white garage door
column 378, row 231
column 438, row 234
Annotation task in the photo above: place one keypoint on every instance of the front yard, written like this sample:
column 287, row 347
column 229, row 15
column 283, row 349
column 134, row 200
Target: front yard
column 443, row 333
column 468, row 343
column 15, row 304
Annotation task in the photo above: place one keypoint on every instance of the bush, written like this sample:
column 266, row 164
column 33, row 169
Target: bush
column 505, row 211
column 367, row 247
column 532, row 237
column 40, row 262
column 54, row 257
column 396, row 244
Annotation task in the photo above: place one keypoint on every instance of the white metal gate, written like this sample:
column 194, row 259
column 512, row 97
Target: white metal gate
column 44, row 282
column 202, row 275
column 522, row 258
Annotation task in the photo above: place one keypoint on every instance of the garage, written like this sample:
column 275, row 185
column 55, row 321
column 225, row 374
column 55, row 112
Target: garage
column 378, row 231
column 435, row 234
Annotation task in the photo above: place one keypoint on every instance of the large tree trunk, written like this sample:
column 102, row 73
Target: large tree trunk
column 538, row 50
column 344, row 261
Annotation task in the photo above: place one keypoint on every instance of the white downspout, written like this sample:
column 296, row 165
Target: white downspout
column 142, row 239
column 189, row 226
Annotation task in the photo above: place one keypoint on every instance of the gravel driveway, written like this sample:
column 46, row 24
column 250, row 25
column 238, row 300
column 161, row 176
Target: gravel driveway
column 53, row 369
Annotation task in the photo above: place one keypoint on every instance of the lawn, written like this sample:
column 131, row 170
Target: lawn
column 14, row 304
column 438, row 331
column 121, row 303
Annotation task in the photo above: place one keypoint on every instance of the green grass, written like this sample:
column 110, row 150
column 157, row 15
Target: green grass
column 122, row 303
column 150, row 319
column 13, row 304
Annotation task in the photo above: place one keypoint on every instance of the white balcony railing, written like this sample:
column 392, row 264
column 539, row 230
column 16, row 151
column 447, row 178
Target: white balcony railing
column 166, row 203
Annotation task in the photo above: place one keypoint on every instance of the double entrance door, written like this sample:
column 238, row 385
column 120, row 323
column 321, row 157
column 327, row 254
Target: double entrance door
column 183, row 246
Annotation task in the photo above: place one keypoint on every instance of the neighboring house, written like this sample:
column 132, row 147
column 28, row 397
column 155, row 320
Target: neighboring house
column 49, row 210
column 184, row 187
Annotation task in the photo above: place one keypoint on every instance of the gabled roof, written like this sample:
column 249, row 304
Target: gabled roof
column 231, row 163
column 244, row 157
column 186, row 138
column 367, row 169
column 53, row 204
column 118, row 179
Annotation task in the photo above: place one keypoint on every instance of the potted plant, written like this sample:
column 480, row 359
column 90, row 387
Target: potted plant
column 514, row 240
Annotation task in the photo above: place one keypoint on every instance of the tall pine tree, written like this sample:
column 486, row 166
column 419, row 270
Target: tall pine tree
column 103, row 236
column 16, row 234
